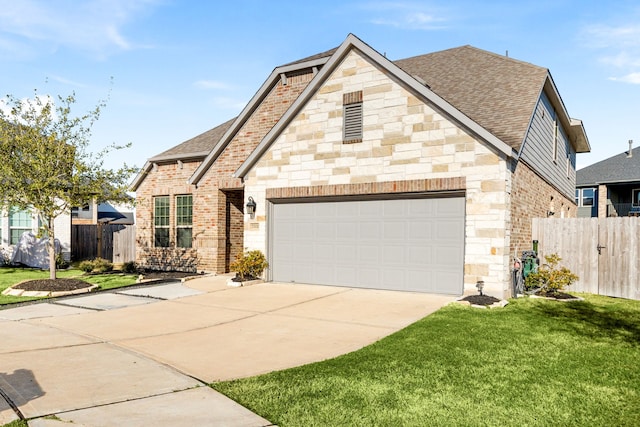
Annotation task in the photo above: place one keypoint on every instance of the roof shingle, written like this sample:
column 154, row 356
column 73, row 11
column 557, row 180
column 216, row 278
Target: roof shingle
column 619, row 168
column 497, row 92
column 199, row 145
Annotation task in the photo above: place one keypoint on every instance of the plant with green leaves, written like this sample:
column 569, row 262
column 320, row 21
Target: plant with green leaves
column 250, row 265
column 45, row 163
column 550, row 277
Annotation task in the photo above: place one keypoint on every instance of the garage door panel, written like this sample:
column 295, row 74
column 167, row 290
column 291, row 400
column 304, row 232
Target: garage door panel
column 403, row 244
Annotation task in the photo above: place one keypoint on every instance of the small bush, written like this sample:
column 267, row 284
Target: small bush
column 249, row 265
column 101, row 265
column 61, row 263
column 550, row 278
column 86, row 266
column 129, row 267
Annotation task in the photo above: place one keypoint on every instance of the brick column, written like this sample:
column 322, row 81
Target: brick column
column 602, row 201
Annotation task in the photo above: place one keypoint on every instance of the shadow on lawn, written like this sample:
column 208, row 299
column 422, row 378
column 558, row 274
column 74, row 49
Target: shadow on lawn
column 596, row 321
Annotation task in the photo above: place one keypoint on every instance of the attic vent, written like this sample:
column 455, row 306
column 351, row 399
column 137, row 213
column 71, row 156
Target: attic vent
column 352, row 132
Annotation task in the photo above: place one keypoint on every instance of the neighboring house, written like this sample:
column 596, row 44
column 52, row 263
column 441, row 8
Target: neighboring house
column 421, row 174
column 16, row 222
column 105, row 213
column 610, row 187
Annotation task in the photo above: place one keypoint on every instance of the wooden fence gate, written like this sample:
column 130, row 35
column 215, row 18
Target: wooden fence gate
column 115, row 243
column 603, row 252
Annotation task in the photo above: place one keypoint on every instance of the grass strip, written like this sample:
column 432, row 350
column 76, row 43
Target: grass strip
column 534, row 362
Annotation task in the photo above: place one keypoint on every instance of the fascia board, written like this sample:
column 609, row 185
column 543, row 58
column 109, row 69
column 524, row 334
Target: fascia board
column 244, row 115
column 354, row 42
column 140, row 176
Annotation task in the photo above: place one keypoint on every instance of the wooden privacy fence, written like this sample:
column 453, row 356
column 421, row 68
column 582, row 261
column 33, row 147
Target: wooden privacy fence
column 116, row 243
column 603, row 252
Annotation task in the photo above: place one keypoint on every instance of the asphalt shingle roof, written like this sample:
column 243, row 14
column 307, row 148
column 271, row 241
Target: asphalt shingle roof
column 199, row 145
column 619, row 168
column 497, row 92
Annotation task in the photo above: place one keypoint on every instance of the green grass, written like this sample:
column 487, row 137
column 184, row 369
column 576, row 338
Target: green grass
column 532, row 363
column 12, row 276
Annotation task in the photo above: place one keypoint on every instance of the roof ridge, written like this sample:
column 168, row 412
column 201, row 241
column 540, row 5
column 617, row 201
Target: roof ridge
column 479, row 50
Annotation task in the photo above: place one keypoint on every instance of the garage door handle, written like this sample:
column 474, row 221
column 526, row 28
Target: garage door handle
column 600, row 248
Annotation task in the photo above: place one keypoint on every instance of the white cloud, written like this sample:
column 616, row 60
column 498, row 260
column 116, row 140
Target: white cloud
column 94, row 26
column 212, row 85
column 633, row 78
column 405, row 15
column 229, row 103
column 619, row 45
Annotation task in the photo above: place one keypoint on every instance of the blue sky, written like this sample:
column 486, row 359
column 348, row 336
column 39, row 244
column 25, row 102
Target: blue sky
column 180, row 68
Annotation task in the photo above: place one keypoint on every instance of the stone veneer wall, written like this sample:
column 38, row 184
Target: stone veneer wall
column 216, row 192
column 533, row 197
column 403, row 140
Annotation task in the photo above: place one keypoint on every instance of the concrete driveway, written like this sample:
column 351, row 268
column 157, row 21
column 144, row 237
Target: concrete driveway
column 143, row 356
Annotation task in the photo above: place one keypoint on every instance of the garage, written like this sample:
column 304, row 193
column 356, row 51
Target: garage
column 404, row 243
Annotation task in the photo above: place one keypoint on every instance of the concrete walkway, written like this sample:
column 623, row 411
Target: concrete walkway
column 144, row 356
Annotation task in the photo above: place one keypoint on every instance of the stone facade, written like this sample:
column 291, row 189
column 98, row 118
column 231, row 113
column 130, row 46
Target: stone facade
column 403, row 140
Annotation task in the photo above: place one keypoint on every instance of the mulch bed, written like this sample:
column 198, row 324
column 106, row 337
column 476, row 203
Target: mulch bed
column 555, row 295
column 63, row 285
column 480, row 299
column 53, row 285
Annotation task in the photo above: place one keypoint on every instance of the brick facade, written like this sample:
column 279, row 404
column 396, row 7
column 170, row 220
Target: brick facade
column 218, row 214
column 533, row 197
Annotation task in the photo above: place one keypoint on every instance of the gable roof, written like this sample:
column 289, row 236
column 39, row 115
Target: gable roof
column 197, row 147
column 416, row 85
column 619, row 168
column 312, row 62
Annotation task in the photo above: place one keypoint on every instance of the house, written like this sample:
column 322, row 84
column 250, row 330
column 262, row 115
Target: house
column 610, row 187
column 105, row 213
column 421, row 174
column 15, row 222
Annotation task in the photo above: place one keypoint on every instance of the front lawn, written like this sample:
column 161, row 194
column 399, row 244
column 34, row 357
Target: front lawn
column 534, row 362
column 11, row 276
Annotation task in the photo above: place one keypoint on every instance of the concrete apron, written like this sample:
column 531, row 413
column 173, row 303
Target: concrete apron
column 86, row 365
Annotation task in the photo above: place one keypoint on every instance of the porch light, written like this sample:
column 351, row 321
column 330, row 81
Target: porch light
column 251, row 207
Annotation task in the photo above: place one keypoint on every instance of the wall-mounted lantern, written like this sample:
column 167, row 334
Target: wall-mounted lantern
column 251, row 207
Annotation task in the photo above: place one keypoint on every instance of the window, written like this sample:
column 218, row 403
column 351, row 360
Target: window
column 184, row 221
column 635, row 197
column 352, row 132
column 556, row 136
column 161, row 221
column 585, row 196
column 20, row 221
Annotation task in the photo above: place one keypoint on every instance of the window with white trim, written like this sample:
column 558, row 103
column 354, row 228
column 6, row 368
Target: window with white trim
column 161, row 216
column 585, row 196
column 20, row 221
column 352, row 114
column 635, row 197
column 184, row 221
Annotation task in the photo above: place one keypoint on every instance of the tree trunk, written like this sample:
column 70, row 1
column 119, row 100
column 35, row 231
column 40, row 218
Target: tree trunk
column 52, row 250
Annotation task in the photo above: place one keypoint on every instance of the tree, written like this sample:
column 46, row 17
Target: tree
column 46, row 165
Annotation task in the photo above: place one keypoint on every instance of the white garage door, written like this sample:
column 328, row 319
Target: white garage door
column 401, row 244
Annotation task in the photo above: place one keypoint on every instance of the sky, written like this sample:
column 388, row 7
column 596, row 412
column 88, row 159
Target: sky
column 172, row 69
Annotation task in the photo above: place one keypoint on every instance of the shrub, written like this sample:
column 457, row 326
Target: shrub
column 550, row 278
column 101, row 265
column 86, row 266
column 129, row 267
column 249, row 265
column 61, row 263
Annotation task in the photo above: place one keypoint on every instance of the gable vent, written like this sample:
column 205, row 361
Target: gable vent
column 352, row 117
